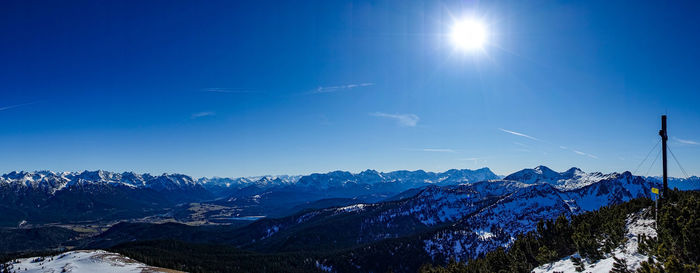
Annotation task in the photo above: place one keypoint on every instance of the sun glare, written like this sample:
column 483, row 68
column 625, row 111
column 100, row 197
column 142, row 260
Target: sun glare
column 469, row 34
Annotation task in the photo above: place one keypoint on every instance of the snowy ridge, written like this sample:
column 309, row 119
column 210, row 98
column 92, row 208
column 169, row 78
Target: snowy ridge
column 51, row 182
column 435, row 205
column 498, row 224
column 570, row 179
column 83, row 261
column 370, row 177
column 402, row 179
column 264, row 180
column 636, row 225
column 615, row 189
column 352, row 208
column 519, row 211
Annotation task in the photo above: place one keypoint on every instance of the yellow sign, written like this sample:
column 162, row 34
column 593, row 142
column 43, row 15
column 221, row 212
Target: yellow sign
column 655, row 190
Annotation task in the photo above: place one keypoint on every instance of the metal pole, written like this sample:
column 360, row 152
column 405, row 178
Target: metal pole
column 664, row 136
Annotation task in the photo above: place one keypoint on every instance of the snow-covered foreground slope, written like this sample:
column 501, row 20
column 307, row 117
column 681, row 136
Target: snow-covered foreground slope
column 88, row 261
column 636, row 225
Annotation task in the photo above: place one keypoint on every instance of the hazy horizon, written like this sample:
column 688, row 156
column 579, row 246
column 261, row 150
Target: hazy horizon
column 350, row 171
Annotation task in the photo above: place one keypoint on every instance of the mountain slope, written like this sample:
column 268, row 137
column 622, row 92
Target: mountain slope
column 339, row 227
column 498, row 224
column 517, row 213
column 464, row 220
column 83, row 261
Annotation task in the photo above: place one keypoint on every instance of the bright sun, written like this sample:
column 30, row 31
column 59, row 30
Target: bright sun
column 469, row 34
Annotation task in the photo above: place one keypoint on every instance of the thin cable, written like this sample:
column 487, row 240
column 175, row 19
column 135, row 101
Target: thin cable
column 652, row 163
column 679, row 163
column 645, row 158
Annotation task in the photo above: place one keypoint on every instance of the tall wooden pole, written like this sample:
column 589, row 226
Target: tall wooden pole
column 664, row 136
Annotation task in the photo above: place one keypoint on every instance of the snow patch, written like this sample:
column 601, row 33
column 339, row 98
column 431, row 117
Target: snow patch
column 325, row 268
column 352, row 208
column 484, row 235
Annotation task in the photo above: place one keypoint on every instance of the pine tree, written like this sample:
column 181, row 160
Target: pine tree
column 585, row 242
column 620, row 266
column 578, row 264
column 563, row 232
column 672, row 264
column 545, row 255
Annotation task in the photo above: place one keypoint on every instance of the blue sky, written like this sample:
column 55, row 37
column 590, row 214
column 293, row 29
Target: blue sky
column 236, row 88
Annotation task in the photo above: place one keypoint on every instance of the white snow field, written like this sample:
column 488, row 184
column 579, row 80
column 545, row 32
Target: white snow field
column 636, row 224
column 83, row 261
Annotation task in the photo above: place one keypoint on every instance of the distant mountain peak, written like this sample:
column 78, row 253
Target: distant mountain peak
column 571, row 178
column 543, row 168
column 573, row 171
column 369, row 171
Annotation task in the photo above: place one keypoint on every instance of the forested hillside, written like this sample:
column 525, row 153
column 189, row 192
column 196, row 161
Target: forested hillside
column 594, row 234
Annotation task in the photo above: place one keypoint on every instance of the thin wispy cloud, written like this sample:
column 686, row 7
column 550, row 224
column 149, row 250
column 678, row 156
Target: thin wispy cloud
column 685, row 141
column 405, row 120
column 3, row 108
column 202, row 114
column 584, row 154
column 226, row 90
column 331, row 89
column 537, row 139
column 578, row 152
column 519, row 134
column 437, row 150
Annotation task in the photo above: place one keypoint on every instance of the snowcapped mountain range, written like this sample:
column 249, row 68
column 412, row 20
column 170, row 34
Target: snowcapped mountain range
column 461, row 221
column 407, row 179
column 446, row 196
column 42, row 196
column 438, row 216
column 56, row 181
